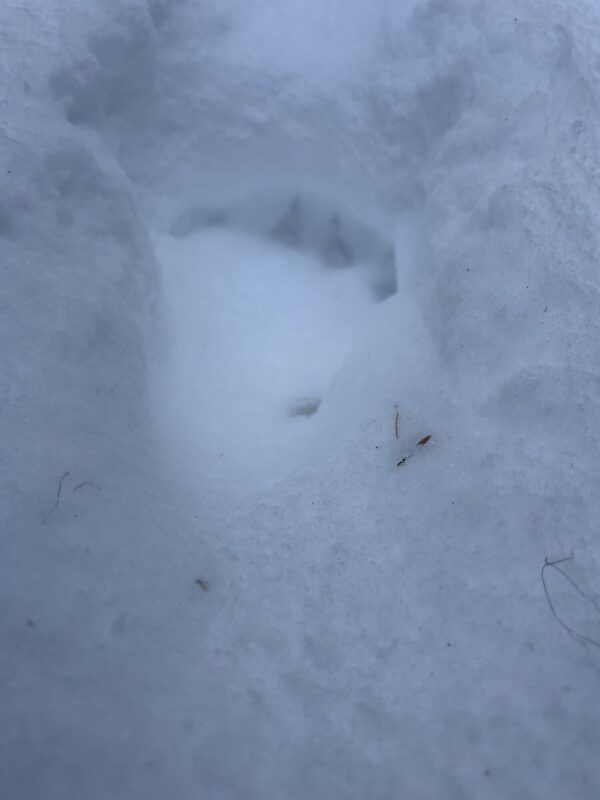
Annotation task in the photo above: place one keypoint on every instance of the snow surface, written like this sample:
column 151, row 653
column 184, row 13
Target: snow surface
column 252, row 254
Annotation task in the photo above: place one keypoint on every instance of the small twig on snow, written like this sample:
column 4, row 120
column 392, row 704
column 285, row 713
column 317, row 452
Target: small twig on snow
column 421, row 443
column 59, row 489
column 579, row 637
column 91, row 484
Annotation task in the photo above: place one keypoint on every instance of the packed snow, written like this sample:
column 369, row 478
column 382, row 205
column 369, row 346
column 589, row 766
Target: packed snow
column 300, row 400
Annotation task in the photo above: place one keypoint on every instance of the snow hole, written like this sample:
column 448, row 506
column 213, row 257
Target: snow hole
column 265, row 297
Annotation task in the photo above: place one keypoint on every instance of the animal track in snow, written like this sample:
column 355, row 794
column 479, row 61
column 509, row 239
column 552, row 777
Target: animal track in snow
column 264, row 304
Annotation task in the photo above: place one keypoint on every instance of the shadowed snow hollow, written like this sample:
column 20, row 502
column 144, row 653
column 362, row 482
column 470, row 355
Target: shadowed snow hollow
column 265, row 302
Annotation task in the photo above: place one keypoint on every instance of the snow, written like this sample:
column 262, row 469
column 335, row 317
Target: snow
column 252, row 254
column 256, row 332
column 268, row 299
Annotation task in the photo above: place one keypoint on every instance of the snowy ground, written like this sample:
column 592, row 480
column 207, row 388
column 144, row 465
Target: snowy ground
column 228, row 567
